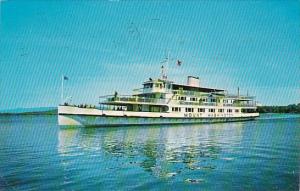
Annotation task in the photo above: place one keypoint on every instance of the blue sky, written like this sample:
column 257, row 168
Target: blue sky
column 103, row 46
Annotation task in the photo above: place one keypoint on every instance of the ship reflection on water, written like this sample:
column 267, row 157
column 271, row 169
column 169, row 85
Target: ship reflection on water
column 36, row 154
column 162, row 151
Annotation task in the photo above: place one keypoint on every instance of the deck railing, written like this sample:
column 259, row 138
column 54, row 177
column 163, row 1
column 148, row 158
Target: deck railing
column 137, row 100
column 233, row 96
column 141, row 100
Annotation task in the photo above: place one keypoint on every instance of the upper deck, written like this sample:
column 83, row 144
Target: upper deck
column 166, row 86
column 163, row 92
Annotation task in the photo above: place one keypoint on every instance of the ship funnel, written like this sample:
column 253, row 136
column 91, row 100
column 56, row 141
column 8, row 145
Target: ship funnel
column 193, row 81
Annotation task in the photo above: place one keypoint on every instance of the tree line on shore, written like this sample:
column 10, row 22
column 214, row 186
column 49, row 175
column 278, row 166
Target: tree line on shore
column 293, row 108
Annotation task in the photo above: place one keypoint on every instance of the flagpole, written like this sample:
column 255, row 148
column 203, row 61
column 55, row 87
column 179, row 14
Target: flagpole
column 168, row 63
column 62, row 89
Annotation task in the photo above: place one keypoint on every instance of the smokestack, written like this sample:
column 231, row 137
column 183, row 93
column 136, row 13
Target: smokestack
column 193, row 81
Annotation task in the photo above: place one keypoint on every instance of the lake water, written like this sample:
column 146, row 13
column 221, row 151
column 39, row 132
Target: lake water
column 37, row 154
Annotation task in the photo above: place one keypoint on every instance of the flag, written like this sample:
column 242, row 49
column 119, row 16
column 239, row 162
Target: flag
column 179, row 62
column 66, row 78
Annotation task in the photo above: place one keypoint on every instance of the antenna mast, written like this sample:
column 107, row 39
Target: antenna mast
column 164, row 68
column 168, row 60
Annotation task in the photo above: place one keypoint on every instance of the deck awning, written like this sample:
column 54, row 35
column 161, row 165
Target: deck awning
column 198, row 89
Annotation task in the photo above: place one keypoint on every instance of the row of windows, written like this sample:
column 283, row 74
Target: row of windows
column 202, row 110
column 195, row 99
column 157, row 85
column 227, row 101
column 203, row 99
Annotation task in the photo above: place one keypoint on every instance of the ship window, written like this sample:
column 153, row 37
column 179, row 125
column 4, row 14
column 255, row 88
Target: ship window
column 229, row 110
column 148, row 85
column 202, row 110
column 189, row 109
column 211, row 110
column 169, row 86
column 156, row 85
column 236, row 110
column 193, row 99
column 176, row 109
column 220, row 110
column 182, row 98
column 202, row 100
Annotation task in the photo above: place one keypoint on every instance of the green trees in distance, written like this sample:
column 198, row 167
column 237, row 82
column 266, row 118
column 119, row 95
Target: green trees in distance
column 293, row 108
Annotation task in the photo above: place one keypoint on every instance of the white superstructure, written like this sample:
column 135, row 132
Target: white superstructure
column 161, row 101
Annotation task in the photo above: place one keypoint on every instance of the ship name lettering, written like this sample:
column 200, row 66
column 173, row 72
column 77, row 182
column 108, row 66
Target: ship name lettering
column 192, row 115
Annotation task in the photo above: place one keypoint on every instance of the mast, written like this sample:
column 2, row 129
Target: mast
column 164, row 68
column 162, row 71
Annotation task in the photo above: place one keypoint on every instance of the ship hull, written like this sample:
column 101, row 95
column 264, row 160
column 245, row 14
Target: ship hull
column 69, row 116
column 84, row 120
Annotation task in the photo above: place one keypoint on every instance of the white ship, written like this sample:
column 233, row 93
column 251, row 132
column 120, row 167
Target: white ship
column 161, row 101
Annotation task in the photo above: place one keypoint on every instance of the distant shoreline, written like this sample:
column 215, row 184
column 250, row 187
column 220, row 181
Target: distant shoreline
column 293, row 108
column 50, row 112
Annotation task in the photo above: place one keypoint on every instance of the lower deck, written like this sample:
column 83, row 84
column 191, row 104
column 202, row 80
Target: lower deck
column 68, row 115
